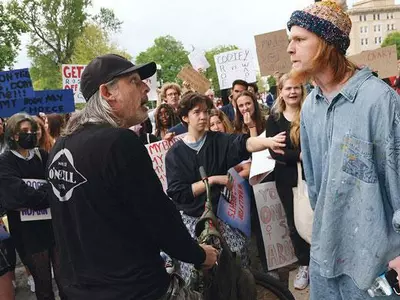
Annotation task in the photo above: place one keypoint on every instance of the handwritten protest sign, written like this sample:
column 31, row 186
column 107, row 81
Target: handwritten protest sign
column 278, row 245
column 35, row 215
column 157, row 152
column 51, row 101
column 197, row 80
column 232, row 65
column 236, row 213
column 271, row 52
column 383, row 60
column 15, row 84
column 152, row 84
column 71, row 77
column 198, row 60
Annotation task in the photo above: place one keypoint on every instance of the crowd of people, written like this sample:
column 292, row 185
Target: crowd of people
column 115, row 234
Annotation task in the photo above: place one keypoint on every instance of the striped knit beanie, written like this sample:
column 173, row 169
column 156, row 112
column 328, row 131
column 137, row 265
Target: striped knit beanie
column 327, row 20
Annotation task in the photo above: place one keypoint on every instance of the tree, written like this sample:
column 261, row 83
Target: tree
column 169, row 54
column 93, row 42
column 392, row 39
column 10, row 30
column 211, row 72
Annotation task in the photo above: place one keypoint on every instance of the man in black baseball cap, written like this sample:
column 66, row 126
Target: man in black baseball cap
column 111, row 216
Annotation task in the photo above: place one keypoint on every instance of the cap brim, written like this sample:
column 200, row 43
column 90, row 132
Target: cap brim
column 145, row 70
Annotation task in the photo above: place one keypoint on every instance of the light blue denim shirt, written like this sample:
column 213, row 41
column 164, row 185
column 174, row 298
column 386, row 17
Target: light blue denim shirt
column 351, row 154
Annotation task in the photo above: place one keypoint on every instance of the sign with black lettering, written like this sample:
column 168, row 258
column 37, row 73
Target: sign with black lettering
column 48, row 102
column 275, row 231
column 233, row 65
column 35, row 215
column 15, row 84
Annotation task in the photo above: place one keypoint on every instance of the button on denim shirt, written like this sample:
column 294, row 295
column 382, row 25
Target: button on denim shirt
column 351, row 155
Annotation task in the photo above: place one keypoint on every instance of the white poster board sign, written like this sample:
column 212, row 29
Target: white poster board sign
column 152, row 84
column 278, row 245
column 232, row 65
column 198, row 60
column 35, row 215
column 71, row 77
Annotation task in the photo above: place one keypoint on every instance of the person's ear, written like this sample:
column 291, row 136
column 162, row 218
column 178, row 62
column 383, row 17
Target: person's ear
column 108, row 94
column 185, row 119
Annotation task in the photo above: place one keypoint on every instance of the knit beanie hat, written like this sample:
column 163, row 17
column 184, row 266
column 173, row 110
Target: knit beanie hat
column 327, row 20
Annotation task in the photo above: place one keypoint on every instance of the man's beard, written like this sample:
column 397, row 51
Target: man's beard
column 300, row 76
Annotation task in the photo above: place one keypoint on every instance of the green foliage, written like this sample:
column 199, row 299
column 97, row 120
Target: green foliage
column 93, row 42
column 211, row 72
column 62, row 32
column 393, row 39
column 271, row 81
column 10, row 29
column 169, row 54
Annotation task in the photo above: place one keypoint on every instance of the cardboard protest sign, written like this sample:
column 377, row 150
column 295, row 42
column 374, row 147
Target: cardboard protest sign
column 271, row 52
column 157, row 152
column 35, row 215
column 197, row 80
column 232, row 65
column 198, row 60
column 382, row 60
column 71, row 77
column 15, row 84
column 152, row 84
column 278, row 245
column 51, row 101
column 236, row 213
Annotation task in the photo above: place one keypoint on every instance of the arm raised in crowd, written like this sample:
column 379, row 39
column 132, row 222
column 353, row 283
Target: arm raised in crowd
column 259, row 143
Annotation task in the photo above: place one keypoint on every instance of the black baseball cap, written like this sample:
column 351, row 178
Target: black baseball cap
column 105, row 68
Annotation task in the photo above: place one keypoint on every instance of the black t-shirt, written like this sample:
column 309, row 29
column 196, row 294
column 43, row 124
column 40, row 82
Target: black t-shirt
column 111, row 217
column 30, row 236
column 219, row 153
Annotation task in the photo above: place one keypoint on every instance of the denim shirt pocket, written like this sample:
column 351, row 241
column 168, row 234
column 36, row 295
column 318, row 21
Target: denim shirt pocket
column 358, row 159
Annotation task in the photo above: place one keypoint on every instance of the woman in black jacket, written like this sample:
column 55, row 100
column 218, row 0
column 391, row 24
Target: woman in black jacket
column 285, row 116
column 23, row 191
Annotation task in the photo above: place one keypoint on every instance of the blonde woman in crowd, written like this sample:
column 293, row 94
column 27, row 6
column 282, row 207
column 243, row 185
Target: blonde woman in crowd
column 285, row 116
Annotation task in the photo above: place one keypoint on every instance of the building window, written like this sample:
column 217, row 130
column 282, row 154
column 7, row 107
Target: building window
column 376, row 40
column 361, row 29
column 365, row 17
column 391, row 16
column 392, row 26
column 362, row 42
column 374, row 28
column 374, row 17
column 379, row 27
column 366, row 41
column 366, row 29
column 378, row 16
column 388, row 27
column 387, row 16
column 361, row 18
column 380, row 40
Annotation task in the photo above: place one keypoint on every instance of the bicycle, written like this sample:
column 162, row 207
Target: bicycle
column 266, row 287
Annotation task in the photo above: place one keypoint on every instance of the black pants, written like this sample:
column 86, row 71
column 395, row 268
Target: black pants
column 301, row 247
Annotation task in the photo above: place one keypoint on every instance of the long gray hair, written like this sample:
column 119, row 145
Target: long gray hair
column 97, row 110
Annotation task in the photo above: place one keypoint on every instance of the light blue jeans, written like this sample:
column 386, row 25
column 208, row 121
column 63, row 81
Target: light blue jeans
column 339, row 288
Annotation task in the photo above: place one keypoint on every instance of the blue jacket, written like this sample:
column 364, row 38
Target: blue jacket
column 229, row 111
column 351, row 154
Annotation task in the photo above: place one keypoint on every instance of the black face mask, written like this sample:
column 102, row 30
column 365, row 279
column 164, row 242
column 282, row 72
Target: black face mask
column 27, row 140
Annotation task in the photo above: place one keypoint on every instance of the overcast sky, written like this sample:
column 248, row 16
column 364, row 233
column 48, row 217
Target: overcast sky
column 203, row 24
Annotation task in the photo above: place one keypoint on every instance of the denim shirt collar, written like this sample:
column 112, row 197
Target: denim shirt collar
column 350, row 89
